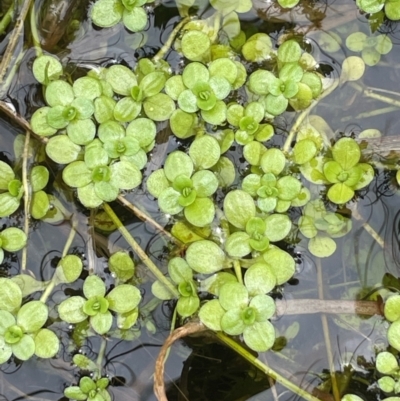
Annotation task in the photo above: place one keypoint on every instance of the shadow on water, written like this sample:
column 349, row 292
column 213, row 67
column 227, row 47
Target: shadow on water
column 200, row 369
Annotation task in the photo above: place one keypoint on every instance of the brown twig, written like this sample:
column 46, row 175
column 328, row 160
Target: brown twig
column 336, row 307
column 5, row 62
column 186, row 330
column 144, row 217
column 20, row 121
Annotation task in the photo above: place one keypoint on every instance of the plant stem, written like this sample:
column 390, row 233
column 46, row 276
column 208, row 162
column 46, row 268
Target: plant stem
column 303, row 116
column 238, row 271
column 167, row 45
column 35, row 33
column 27, row 196
column 20, row 120
column 372, row 113
column 7, row 17
column 139, row 251
column 144, row 217
column 325, row 329
column 67, row 245
column 5, row 62
column 99, row 360
column 264, row 368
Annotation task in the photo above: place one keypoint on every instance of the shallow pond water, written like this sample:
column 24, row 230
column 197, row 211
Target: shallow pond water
column 199, row 368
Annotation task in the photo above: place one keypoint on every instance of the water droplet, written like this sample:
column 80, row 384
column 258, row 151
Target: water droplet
column 71, row 326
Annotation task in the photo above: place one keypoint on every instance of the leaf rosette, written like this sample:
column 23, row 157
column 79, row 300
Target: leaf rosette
column 89, row 389
column 236, row 312
column 97, row 306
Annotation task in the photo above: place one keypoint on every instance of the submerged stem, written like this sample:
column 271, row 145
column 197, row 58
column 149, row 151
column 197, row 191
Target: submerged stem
column 264, row 368
column 67, row 245
column 7, row 17
column 139, row 251
column 5, row 62
column 167, row 45
column 35, row 33
column 144, row 217
column 27, row 196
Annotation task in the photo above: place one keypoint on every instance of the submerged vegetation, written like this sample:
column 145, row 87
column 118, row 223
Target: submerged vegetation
column 235, row 195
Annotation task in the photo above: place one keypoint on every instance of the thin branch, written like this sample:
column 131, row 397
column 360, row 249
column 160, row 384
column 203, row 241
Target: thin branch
column 27, row 196
column 144, row 217
column 20, row 121
column 5, row 62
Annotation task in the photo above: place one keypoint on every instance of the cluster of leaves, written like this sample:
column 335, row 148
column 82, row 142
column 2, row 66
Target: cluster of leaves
column 107, row 13
column 21, row 326
column 321, row 226
column 392, row 314
column 96, row 306
column 187, row 182
column 371, row 48
column 12, row 190
column 104, row 159
column 390, row 7
column 387, row 365
column 340, row 167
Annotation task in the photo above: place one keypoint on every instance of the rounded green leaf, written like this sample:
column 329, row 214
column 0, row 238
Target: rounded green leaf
column 160, row 291
column 121, row 78
column 46, row 344
column 157, row 183
column 257, row 48
column 12, row 239
column 288, row 188
column 32, row 316
column 59, row 93
column 45, row 68
column 121, row 264
column 182, row 124
column 24, row 348
column 143, row 130
column 88, row 197
column 94, row 287
column 62, row 150
column 340, row 193
column 392, row 308
column 239, row 207
column 71, row 310
column 6, row 175
column 259, row 279
column 217, row 115
column 179, row 270
column 393, row 335
column 281, row 264
column 135, row 20
column 195, row 45
column 106, row 13
column 233, row 295
column 386, row 363
column 40, row 205
column 174, row 86
column 264, row 306
column 77, row 174
column 205, row 257
column 127, row 110
column 260, row 337
column 168, row 201
column 273, row 161
column 39, row 123
column 278, row 227
column 5, row 351
column 39, row 178
column 104, row 109
column 125, row 175
column 81, row 132
column 178, row 163
column 201, row 212
column 322, row 247
column 102, row 322
column 69, row 269
column 87, row 87
column 211, row 313
column 123, row 298
column 186, row 306
column 392, row 10
column 237, row 245
column 159, row 107
column 289, row 52
column 204, row 152
column 232, row 323
column 386, row 384
column 275, row 105
column 6, row 320
column 10, row 295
